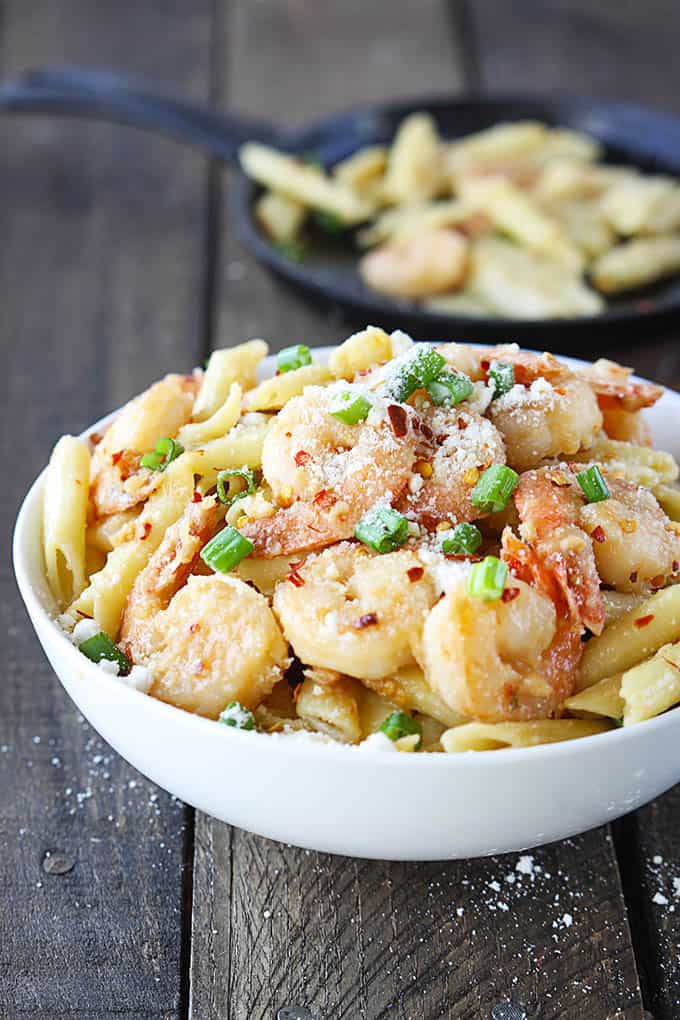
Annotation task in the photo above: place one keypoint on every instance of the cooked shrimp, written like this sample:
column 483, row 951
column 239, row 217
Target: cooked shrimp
column 207, row 640
column 463, row 445
column 360, row 614
column 612, row 384
column 118, row 482
column 549, row 502
column 501, row 660
column 330, row 473
column 626, row 426
column 416, row 267
column 637, row 548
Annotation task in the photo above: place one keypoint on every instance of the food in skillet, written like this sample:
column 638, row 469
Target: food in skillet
column 432, row 547
column 519, row 221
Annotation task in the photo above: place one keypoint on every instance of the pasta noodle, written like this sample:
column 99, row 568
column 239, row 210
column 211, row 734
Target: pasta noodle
column 495, row 736
column 603, row 698
column 652, row 687
column 225, row 367
column 65, row 517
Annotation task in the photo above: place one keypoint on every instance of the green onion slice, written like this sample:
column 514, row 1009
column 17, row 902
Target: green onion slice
column 464, row 540
column 238, row 716
column 226, row 550
column 398, row 725
column 494, row 489
column 165, row 451
column 293, row 357
column 329, row 223
column 382, row 529
column 224, row 491
column 349, row 407
column 290, row 250
column 487, row 579
column 502, row 374
column 593, row 484
column 449, row 388
column 100, row 646
column 422, row 367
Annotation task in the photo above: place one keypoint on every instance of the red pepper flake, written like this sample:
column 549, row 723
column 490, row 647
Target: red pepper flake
column 558, row 478
column 115, row 457
column 427, row 432
column 509, row 594
column 509, row 695
column 325, row 499
column 644, row 621
column 95, row 438
column 658, row 582
column 293, row 575
column 462, row 424
column 146, row 531
column 415, row 573
column 302, row 458
column 196, row 498
column 598, row 535
column 633, row 577
column 200, row 667
column 675, row 566
column 428, row 521
column 398, row 420
column 194, row 628
column 367, row 620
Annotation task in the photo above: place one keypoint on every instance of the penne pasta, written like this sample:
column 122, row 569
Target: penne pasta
column 226, row 367
column 199, row 433
column 282, row 217
column 272, row 394
column 639, row 464
column 669, row 498
column 65, row 517
column 415, row 164
column 370, row 347
column 632, row 638
column 636, row 264
column 330, row 708
column 653, row 686
column 603, row 698
column 477, row 736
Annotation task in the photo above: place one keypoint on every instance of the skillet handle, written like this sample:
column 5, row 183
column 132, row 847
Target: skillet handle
column 74, row 91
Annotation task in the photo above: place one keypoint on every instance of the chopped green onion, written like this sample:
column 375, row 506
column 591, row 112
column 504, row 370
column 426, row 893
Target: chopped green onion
column 494, row 489
column 487, row 579
column 593, row 484
column 503, row 375
column 238, row 716
column 293, row 357
column 329, row 223
column 618, row 722
column 422, row 367
column 398, row 725
column 226, row 550
column 312, row 159
column 463, row 541
column 224, row 494
column 291, row 250
column 449, row 388
column 165, row 451
column 100, row 646
column 382, row 529
column 349, row 407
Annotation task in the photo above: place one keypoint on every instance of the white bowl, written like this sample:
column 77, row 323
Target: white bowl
column 348, row 801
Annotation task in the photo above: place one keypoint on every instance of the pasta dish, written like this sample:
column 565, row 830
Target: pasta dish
column 518, row 221
column 404, row 546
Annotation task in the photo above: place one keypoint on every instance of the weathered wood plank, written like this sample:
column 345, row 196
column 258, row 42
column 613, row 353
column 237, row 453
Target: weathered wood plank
column 622, row 50
column 354, row 938
column 101, row 281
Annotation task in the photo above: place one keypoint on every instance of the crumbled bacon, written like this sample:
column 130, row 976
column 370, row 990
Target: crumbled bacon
column 398, row 420
column 302, row 457
column 598, row 534
column 367, row 620
column 509, row 594
column 644, row 621
column 414, row 573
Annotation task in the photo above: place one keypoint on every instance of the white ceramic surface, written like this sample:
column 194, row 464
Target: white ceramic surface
column 347, row 801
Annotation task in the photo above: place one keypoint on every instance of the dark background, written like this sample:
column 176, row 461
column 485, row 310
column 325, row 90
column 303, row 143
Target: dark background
column 118, row 263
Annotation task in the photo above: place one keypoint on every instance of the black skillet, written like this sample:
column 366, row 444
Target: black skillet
column 634, row 135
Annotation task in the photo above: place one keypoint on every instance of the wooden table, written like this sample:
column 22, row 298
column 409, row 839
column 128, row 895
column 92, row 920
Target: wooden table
column 118, row 264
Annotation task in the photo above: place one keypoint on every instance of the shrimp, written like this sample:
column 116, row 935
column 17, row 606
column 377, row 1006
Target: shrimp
column 504, row 660
column 637, row 548
column 463, row 445
column 549, row 411
column 207, row 640
column 417, row 267
column 612, row 384
column 626, row 426
column 360, row 614
column 549, row 502
column 118, row 482
column 330, row 473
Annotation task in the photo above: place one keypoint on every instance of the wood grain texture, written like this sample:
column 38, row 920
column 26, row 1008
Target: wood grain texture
column 345, row 938
column 101, row 282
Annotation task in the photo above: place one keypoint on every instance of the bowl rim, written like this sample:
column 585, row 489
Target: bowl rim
column 309, row 744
